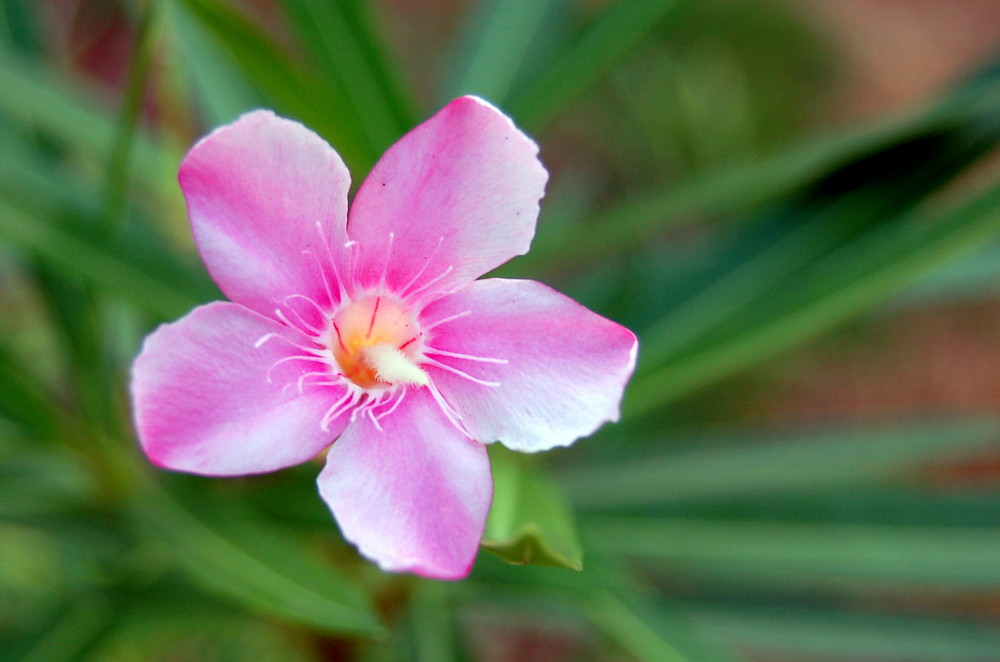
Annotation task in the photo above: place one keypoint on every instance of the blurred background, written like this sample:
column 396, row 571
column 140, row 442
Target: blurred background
column 796, row 205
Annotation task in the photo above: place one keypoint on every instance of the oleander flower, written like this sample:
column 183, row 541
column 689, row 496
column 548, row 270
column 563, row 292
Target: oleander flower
column 368, row 333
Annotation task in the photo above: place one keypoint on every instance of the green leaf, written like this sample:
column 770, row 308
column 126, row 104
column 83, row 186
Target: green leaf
column 69, row 635
column 856, row 278
column 805, row 633
column 158, row 623
column 763, row 553
column 293, row 88
column 496, row 46
column 529, row 521
column 651, row 632
column 734, row 466
column 342, row 38
column 123, row 267
column 431, row 626
column 256, row 565
column 24, row 400
column 219, row 89
column 958, row 120
column 35, row 96
column 611, row 36
column 120, row 161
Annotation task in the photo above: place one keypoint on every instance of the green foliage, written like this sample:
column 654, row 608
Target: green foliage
column 707, row 217
column 529, row 520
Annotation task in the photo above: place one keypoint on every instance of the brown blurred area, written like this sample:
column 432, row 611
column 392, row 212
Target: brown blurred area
column 895, row 55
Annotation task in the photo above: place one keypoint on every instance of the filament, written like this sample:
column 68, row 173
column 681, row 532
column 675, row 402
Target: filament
column 461, row 373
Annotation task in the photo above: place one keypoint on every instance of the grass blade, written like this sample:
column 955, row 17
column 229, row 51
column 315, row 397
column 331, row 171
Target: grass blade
column 611, row 36
column 497, row 45
column 778, row 552
column 716, row 468
column 856, row 279
column 257, row 566
column 340, row 36
column 529, row 520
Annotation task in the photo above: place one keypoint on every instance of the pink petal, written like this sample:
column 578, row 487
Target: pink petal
column 414, row 495
column 460, row 195
column 203, row 402
column 256, row 190
column 558, row 369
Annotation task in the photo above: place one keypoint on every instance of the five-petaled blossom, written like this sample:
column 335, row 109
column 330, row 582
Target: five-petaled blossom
column 369, row 332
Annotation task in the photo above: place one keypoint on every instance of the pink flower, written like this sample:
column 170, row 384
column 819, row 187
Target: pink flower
column 371, row 330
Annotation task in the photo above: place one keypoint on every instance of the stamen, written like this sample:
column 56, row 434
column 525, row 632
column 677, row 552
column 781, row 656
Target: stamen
column 292, row 358
column 308, row 327
column 426, row 285
column 420, row 273
column 402, row 394
column 322, row 274
column 448, row 412
column 370, row 411
column 452, row 318
column 300, row 383
column 467, row 357
column 361, row 401
column 338, row 408
column 333, row 264
column 352, row 263
column 392, row 366
column 374, row 420
column 315, row 351
column 460, row 373
column 324, row 314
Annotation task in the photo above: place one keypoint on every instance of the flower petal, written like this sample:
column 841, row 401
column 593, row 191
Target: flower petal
column 414, row 495
column 557, row 369
column 203, row 401
column 256, row 190
column 460, row 195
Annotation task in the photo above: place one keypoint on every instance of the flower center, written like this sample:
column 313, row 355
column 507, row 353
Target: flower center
column 377, row 344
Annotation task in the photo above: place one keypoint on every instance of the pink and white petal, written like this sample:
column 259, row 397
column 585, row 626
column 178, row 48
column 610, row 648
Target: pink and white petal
column 459, row 194
column 256, row 190
column 204, row 401
column 413, row 495
column 547, row 370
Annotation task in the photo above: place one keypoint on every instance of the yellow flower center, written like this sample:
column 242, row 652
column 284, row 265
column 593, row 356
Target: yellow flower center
column 377, row 344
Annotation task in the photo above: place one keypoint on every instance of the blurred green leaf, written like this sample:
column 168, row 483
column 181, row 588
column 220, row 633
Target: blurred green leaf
column 607, row 39
column 964, row 122
column 121, row 266
column 432, row 626
column 720, row 466
column 650, row 633
column 804, row 633
column 757, row 551
column 40, row 482
column 65, row 639
column 157, row 627
column 341, row 37
column 293, row 87
column 497, row 43
column 866, row 273
column 18, row 25
column 529, row 520
column 120, row 161
column 24, row 400
column 257, row 565
column 220, row 91
column 36, row 96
